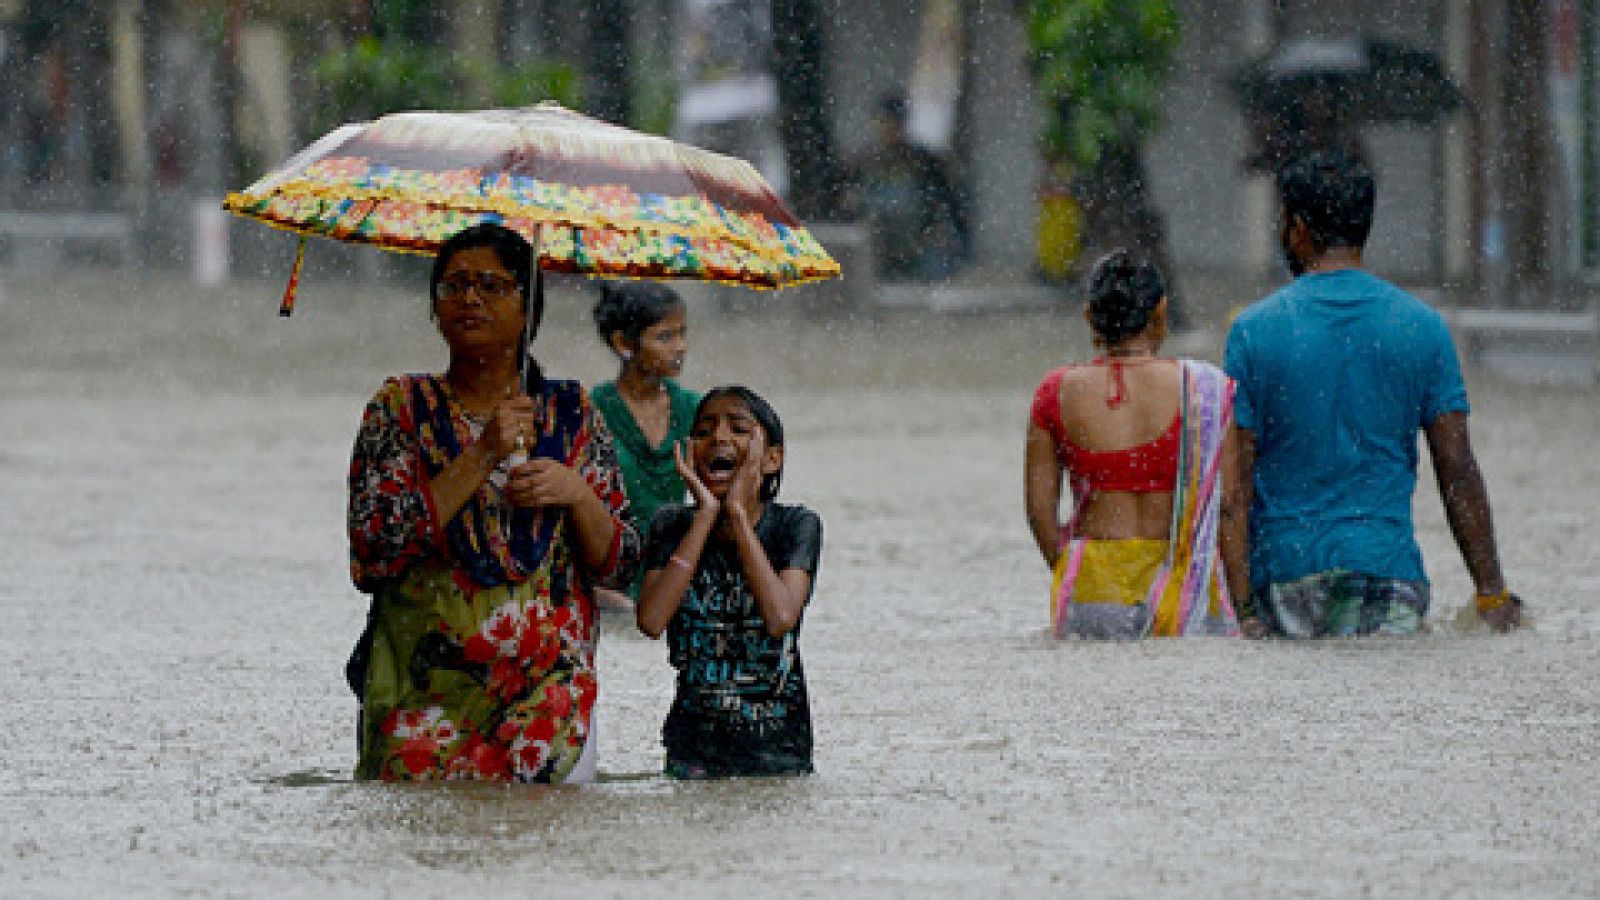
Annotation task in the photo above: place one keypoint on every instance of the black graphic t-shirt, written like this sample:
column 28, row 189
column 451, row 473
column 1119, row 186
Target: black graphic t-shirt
column 741, row 706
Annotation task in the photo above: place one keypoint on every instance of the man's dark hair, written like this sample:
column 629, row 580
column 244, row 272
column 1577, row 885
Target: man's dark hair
column 765, row 416
column 1124, row 290
column 632, row 306
column 1333, row 193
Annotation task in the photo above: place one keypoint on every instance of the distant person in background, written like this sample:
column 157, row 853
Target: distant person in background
column 1153, row 545
column 648, row 413
column 1337, row 373
column 905, row 194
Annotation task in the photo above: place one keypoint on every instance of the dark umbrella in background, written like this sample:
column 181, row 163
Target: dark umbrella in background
column 1368, row 81
column 1312, row 93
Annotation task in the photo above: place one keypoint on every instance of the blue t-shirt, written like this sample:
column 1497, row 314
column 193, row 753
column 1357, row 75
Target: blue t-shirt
column 1337, row 373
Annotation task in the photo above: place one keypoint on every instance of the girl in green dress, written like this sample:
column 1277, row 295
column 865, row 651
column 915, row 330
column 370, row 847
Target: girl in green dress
column 645, row 325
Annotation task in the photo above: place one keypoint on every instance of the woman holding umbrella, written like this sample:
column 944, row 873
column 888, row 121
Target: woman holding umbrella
column 485, row 504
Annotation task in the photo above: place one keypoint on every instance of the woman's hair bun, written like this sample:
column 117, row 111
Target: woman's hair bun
column 1124, row 290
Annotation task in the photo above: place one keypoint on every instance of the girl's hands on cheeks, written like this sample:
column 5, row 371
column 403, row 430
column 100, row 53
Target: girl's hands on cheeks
column 546, row 482
column 704, row 500
column 744, row 491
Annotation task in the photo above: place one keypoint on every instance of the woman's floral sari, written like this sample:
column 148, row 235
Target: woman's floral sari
column 479, row 656
column 1167, row 588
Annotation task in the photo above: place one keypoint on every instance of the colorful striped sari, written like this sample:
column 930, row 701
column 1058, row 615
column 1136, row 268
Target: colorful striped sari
column 1125, row 589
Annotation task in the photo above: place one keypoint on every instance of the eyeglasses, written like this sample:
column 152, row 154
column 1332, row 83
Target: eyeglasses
column 488, row 285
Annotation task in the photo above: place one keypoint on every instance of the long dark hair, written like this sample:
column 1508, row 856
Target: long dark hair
column 765, row 416
column 1124, row 290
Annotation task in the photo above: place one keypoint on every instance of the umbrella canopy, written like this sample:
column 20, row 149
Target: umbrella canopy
column 1355, row 80
column 593, row 197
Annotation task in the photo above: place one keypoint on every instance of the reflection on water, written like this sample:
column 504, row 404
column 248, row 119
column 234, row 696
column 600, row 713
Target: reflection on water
column 172, row 578
column 309, row 778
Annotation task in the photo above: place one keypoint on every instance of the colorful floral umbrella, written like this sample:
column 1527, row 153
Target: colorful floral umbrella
column 592, row 197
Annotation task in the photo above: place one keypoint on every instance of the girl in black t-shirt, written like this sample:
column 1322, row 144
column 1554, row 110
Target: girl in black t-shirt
column 728, row 580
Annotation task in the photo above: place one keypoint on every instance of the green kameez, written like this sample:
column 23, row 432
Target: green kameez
column 648, row 473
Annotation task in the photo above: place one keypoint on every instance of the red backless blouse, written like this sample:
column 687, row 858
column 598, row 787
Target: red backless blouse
column 1147, row 468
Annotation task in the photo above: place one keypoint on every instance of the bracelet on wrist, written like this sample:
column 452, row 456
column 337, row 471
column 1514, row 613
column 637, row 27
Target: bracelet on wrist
column 1488, row 603
column 680, row 562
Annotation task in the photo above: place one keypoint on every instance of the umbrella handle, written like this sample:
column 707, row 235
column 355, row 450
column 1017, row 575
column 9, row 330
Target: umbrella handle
column 286, row 306
column 519, row 456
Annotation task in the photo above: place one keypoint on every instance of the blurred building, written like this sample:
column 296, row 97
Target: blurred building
column 153, row 106
column 1453, row 196
column 1519, row 162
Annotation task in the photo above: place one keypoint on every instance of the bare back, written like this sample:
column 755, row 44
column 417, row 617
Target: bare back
column 1152, row 395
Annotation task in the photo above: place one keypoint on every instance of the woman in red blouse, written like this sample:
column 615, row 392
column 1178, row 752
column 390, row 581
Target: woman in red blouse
column 1155, row 539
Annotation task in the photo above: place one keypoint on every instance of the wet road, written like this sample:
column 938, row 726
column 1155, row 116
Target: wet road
column 172, row 578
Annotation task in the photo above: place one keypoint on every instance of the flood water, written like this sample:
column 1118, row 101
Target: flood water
column 177, row 610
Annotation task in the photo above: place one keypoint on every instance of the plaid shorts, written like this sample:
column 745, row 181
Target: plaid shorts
column 1342, row 604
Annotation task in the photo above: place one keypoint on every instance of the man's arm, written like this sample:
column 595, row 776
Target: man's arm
column 1239, row 486
column 1466, row 507
column 1238, row 490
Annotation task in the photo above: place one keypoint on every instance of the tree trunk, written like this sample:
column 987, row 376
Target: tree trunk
column 125, row 97
column 1118, row 213
column 608, row 82
column 1529, row 162
column 803, row 103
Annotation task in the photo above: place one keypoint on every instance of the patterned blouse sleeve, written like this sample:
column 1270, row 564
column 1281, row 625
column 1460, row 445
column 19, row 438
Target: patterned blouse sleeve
column 392, row 521
column 597, row 463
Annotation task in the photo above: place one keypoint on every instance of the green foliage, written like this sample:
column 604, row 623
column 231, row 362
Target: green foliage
column 1099, row 66
column 406, row 20
column 375, row 76
column 525, row 84
column 655, row 94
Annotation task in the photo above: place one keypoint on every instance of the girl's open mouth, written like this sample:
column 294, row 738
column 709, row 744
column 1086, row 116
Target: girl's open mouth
column 721, row 465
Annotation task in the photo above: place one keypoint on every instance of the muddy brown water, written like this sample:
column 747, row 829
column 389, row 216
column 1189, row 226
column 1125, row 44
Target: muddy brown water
column 172, row 577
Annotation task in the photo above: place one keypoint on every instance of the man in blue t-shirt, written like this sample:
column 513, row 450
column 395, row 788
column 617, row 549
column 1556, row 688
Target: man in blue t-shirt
column 1337, row 372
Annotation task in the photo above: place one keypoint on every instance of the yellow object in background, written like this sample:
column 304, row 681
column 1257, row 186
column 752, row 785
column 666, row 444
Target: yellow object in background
column 1060, row 234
